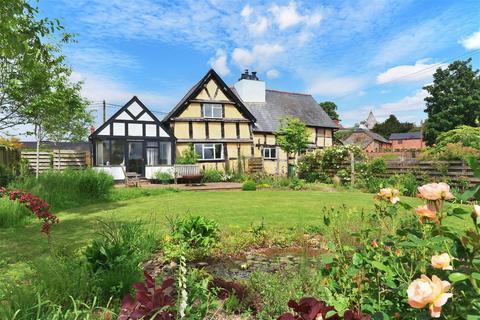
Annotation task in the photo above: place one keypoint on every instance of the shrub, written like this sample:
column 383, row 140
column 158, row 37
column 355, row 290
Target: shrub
column 114, row 258
column 151, row 301
column 249, row 186
column 6, row 176
column 197, row 232
column 467, row 136
column 212, row 175
column 188, row 156
column 69, row 188
column 12, row 213
column 162, row 176
column 296, row 183
column 449, row 152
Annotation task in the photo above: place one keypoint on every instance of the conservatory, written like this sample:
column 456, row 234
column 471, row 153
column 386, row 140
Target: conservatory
column 133, row 140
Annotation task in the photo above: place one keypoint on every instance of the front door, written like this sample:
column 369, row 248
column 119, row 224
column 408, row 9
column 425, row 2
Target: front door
column 135, row 157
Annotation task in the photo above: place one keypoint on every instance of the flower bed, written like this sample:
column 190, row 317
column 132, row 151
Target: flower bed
column 35, row 204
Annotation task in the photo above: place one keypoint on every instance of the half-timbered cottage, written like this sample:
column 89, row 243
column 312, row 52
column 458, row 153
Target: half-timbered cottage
column 223, row 124
column 215, row 121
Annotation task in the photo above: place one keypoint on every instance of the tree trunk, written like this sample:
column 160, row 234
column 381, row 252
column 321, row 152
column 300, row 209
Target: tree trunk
column 37, row 167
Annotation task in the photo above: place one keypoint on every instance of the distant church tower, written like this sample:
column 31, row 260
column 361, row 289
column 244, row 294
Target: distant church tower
column 369, row 123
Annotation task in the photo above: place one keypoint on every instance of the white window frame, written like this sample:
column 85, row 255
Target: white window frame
column 268, row 155
column 210, row 146
column 211, row 113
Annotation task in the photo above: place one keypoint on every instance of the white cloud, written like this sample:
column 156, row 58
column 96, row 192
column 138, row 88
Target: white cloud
column 246, row 11
column 219, row 63
column 420, row 71
column 100, row 58
column 409, row 108
column 258, row 27
column 273, row 73
column 405, row 105
column 288, row 16
column 472, row 42
column 409, row 42
column 261, row 56
column 334, row 86
column 97, row 88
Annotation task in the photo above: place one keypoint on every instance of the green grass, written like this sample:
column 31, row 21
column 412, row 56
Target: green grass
column 232, row 210
column 13, row 213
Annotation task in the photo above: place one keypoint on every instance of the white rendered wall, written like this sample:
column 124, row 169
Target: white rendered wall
column 150, row 170
column 251, row 90
column 115, row 171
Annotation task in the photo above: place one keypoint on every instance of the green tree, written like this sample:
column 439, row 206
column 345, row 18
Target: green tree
column 331, row 109
column 467, row 136
column 392, row 125
column 292, row 136
column 35, row 85
column 454, row 99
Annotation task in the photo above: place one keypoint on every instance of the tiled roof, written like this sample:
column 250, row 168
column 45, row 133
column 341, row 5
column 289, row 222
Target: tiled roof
column 406, row 136
column 376, row 136
column 279, row 104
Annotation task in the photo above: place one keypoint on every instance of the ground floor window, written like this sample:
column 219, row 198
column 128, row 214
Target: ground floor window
column 110, row 152
column 269, row 153
column 209, row 151
column 158, row 153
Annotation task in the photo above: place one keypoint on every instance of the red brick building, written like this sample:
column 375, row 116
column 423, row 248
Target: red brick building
column 407, row 141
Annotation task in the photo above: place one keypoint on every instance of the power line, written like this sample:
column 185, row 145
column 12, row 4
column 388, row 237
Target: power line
column 413, row 73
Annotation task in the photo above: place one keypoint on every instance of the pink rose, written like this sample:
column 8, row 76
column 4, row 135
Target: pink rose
column 435, row 191
column 434, row 293
column 442, row 261
column 389, row 194
column 427, row 212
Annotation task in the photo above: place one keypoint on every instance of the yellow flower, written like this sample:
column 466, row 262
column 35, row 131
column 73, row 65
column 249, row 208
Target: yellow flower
column 389, row 194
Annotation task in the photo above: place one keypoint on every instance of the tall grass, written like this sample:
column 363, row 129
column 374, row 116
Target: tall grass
column 13, row 213
column 67, row 189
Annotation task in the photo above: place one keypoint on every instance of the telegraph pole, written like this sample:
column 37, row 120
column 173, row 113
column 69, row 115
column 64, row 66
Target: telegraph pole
column 104, row 111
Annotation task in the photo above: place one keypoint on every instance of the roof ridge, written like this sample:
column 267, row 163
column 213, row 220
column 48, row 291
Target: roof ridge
column 289, row 92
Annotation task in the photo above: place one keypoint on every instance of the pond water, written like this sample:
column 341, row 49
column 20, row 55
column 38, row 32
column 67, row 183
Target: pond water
column 263, row 260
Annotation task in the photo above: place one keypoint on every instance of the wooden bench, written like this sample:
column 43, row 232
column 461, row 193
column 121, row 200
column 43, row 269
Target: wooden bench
column 131, row 178
column 187, row 172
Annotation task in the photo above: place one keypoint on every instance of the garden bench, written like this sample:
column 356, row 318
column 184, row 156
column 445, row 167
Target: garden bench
column 131, row 178
column 187, row 172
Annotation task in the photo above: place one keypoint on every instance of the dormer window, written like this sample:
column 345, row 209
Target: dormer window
column 211, row 110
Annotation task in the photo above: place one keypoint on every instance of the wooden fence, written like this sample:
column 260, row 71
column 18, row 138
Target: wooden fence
column 9, row 157
column 58, row 159
column 456, row 172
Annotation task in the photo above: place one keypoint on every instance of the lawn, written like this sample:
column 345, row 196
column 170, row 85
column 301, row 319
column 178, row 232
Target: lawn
column 232, row 210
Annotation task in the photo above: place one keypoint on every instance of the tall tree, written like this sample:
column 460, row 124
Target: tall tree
column 454, row 99
column 392, row 125
column 292, row 136
column 35, row 85
column 331, row 109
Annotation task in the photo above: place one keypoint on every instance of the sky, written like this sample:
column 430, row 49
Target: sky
column 362, row 54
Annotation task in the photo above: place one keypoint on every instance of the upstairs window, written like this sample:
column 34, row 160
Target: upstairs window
column 269, row 153
column 211, row 110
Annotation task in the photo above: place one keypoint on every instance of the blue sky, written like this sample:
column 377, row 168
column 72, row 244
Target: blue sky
column 360, row 54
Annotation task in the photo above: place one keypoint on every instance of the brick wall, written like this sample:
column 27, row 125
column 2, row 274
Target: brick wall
column 407, row 144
